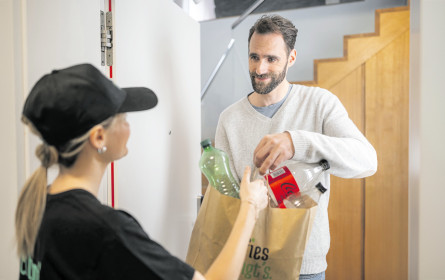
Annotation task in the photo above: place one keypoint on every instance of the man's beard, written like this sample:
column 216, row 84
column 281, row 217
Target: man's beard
column 275, row 80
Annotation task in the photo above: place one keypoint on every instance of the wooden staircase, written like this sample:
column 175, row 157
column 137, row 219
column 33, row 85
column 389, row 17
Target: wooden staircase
column 369, row 217
column 357, row 49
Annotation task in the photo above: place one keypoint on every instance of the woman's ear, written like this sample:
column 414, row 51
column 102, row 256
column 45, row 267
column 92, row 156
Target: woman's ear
column 97, row 137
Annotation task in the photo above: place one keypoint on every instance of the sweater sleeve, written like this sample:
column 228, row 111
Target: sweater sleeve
column 341, row 143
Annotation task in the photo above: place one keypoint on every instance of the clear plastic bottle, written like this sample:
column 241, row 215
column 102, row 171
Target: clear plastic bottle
column 255, row 175
column 214, row 163
column 293, row 178
column 305, row 199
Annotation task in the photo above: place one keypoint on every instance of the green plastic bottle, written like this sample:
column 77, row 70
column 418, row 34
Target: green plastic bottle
column 214, row 163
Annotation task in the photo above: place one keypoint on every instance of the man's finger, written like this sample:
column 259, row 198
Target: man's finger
column 259, row 157
column 260, row 154
column 260, row 145
column 278, row 160
column 268, row 163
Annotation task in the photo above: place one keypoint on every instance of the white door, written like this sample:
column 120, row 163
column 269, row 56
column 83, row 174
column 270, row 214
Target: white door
column 56, row 34
column 157, row 46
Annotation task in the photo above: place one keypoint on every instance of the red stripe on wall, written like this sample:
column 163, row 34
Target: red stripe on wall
column 112, row 163
column 112, row 184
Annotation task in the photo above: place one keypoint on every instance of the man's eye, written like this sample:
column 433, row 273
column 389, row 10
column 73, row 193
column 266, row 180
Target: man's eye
column 272, row 59
column 254, row 57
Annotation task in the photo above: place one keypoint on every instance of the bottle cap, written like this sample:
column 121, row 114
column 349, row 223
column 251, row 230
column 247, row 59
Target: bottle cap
column 320, row 187
column 205, row 143
column 324, row 164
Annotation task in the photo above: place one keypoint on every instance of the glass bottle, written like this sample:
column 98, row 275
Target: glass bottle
column 214, row 163
column 305, row 199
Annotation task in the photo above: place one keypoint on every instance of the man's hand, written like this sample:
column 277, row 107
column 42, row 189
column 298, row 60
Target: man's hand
column 272, row 150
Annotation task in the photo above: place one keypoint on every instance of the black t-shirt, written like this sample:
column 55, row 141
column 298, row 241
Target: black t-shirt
column 80, row 238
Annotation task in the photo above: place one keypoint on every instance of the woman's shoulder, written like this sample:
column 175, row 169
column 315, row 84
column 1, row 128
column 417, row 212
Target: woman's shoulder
column 78, row 207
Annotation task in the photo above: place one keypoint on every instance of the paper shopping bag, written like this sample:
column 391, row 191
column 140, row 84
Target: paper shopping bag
column 276, row 247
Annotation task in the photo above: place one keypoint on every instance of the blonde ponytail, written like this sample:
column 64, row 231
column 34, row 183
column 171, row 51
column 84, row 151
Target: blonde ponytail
column 32, row 201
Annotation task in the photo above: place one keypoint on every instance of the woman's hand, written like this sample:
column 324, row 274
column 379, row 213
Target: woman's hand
column 230, row 260
column 254, row 193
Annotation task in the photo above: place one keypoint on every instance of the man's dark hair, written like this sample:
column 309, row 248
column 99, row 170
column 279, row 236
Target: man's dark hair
column 276, row 24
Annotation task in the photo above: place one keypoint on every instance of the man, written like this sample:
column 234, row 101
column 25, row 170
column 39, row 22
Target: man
column 279, row 122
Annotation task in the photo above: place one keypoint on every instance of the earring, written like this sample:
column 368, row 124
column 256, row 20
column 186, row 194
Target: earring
column 102, row 149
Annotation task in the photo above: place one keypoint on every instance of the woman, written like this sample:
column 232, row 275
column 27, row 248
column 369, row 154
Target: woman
column 62, row 230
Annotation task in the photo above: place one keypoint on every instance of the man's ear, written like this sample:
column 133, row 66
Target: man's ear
column 292, row 57
column 97, row 137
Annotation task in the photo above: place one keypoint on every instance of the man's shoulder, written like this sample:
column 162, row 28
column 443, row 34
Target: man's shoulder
column 235, row 109
column 313, row 91
column 313, row 94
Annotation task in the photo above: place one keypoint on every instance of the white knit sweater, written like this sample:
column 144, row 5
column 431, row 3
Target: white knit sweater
column 320, row 129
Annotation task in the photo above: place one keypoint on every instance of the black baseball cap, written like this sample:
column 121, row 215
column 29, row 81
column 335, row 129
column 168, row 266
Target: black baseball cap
column 68, row 102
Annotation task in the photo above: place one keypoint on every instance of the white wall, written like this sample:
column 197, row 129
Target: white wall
column 427, row 141
column 320, row 35
column 8, row 147
column 37, row 36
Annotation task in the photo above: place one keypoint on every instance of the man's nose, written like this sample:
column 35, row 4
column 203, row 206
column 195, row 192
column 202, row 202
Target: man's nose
column 261, row 67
